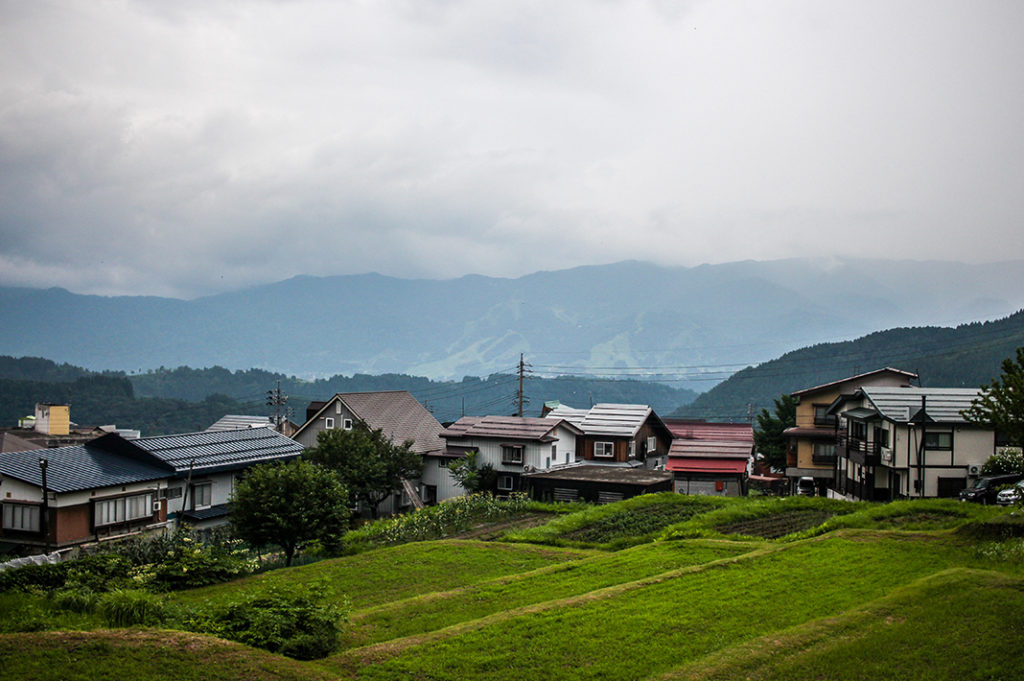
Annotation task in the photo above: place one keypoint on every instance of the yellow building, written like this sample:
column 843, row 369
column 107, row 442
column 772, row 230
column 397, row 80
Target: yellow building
column 811, row 451
column 53, row 419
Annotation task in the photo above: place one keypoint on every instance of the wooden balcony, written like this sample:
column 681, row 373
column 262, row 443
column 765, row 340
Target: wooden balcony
column 859, row 451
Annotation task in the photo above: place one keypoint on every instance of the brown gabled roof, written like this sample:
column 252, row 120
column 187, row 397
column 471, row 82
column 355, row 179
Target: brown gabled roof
column 508, row 428
column 395, row 412
column 9, row 442
column 858, row 377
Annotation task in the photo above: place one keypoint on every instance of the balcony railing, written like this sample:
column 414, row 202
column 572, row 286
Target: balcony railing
column 859, row 451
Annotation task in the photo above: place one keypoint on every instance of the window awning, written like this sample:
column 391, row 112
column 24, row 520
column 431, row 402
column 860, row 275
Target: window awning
column 684, row 464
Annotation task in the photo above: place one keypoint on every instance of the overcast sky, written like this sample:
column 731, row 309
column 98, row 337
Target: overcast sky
column 183, row 148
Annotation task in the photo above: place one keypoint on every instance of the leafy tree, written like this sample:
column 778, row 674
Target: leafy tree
column 1001, row 404
column 370, row 465
column 288, row 504
column 1004, row 462
column 768, row 438
column 473, row 477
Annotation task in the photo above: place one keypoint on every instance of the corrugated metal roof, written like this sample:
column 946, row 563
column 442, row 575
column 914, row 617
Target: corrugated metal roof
column 396, row 413
column 942, row 404
column 220, row 450
column 238, row 421
column 79, row 467
column 617, row 420
column 504, row 427
column 606, row 474
column 703, row 430
column 696, row 465
column 711, row 449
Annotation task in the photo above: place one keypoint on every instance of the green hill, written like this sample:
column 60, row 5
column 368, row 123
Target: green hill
column 965, row 356
column 909, row 590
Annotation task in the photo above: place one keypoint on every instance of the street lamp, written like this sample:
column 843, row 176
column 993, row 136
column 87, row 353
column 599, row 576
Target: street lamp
column 45, row 520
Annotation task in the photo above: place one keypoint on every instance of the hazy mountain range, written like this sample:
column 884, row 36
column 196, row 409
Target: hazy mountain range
column 686, row 324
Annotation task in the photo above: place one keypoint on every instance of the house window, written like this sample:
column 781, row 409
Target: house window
column 858, row 430
column 823, row 453
column 652, row 444
column 173, row 492
column 122, row 509
column 881, row 437
column 202, row 496
column 938, row 440
column 329, row 423
column 632, row 449
column 22, row 517
column 512, row 454
column 346, row 424
column 822, row 417
column 506, row 483
column 604, row 450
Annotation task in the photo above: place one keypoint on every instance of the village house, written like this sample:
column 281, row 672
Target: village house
column 811, row 449
column 513, row 445
column 710, row 458
column 401, row 418
column 618, row 434
column 907, row 442
column 112, row 486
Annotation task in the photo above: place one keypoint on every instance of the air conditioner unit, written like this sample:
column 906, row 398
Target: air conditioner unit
column 529, row 469
column 974, row 469
column 156, row 507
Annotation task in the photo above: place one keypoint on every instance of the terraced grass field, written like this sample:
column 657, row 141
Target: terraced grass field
column 851, row 598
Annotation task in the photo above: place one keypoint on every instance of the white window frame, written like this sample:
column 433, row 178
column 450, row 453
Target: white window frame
column 346, row 424
column 207, row 501
column 329, row 423
column 607, row 450
column 632, row 449
column 504, row 486
column 122, row 509
column 652, row 444
column 21, row 517
column 512, row 460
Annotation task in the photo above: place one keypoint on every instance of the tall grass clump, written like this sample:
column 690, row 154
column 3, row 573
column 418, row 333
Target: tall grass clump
column 132, row 607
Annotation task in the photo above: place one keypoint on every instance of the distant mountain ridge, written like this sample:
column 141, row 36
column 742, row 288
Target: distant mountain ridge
column 628, row 314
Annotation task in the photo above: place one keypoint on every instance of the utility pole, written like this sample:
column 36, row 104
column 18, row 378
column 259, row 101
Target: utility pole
column 521, row 399
column 277, row 400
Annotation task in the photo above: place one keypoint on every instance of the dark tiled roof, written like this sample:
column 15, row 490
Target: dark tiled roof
column 503, row 427
column 9, row 442
column 220, row 450
column 79, row 467
column 218, row 511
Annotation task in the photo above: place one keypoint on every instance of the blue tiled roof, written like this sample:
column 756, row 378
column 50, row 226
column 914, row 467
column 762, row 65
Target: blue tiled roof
column 79, row 467
column 220, row 450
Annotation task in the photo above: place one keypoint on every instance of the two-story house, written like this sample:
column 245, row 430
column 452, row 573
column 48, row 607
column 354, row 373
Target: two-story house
column 401, row 418
column 620, row 434
column 112, row 486
column 710, row 458
column 513, row 445
column 896, row 443
column 812, row 441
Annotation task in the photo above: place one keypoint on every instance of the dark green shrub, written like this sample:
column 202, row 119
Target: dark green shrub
column 193, row 564
column 294, row 620
column 131, row 607
column 99, row 573
column 47, row 576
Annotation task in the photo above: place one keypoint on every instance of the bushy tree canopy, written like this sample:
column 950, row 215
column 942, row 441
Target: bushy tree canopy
column 370, row 465
column 473, row 477
column 768, row 437
column 1001, row 404
column 288, row 504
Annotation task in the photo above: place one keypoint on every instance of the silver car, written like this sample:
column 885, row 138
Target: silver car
column 1011, row 495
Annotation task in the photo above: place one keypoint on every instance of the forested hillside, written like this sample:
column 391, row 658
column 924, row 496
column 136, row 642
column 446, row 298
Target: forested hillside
column 966, row 356
column 186, row 399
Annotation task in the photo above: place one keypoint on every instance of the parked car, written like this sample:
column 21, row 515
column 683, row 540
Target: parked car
column 985, row 488
column 805, row 487
column 1010, row 495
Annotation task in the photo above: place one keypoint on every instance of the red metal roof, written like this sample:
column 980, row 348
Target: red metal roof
column 703, row 430
column 686, row 464
column 711, row 449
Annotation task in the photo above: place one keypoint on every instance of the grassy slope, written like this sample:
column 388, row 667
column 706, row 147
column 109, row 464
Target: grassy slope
column 673, row 620
column 688, row 608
